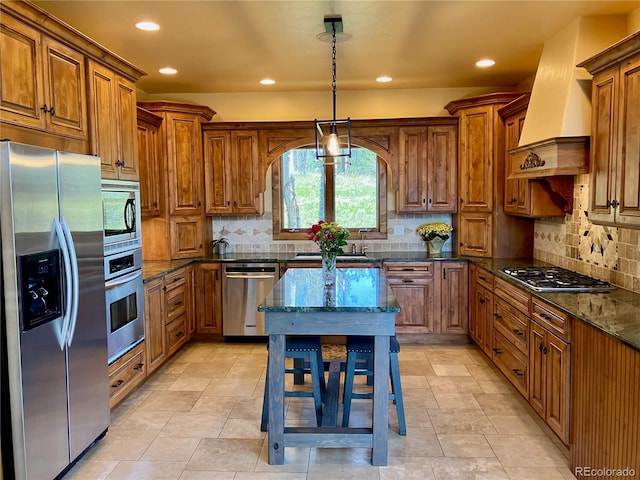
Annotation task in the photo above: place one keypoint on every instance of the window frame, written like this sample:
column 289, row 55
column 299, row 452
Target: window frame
column 356, row 234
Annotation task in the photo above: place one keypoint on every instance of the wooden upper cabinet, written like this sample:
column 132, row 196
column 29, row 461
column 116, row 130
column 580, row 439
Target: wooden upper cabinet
column 476, row 160
column 232, row 170
column 442, row 168
column 43, row 82
column 615, row 136
column 412, row 171
column 150, row 163
column 112, row 103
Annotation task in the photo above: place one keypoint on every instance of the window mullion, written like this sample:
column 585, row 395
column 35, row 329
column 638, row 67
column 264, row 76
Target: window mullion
column 329, row 193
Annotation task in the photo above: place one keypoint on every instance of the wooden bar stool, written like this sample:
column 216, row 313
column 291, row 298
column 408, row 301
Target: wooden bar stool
column 309, row 350
column 359, row 361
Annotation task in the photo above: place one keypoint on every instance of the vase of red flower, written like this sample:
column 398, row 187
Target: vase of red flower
column 330, row 237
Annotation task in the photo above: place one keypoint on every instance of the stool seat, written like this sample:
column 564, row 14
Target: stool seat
column 360, row 349
column 309, row 349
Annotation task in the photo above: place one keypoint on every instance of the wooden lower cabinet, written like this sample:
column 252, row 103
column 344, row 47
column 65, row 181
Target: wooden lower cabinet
column 454, row 297
column 511, row 362
column 155, row 341
column 209, row 299
column 413, row 285
column 481, row 308
column 126, row 373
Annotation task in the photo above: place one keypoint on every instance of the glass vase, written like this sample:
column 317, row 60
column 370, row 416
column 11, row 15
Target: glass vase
column 435, row 246
column 329, row 269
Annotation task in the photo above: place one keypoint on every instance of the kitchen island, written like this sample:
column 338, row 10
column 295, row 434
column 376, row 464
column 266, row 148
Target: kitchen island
column 360, row 303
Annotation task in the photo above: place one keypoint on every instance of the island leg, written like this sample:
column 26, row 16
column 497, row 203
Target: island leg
column 380, row 400
column 275, row 430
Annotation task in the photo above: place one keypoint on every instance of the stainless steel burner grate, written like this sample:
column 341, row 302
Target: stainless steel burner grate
column 556, row 279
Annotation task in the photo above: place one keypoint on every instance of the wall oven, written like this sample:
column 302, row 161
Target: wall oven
column 121, row 215
column 125, row 301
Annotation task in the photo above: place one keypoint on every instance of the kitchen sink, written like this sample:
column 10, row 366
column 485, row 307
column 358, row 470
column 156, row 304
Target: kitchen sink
column 318, row 256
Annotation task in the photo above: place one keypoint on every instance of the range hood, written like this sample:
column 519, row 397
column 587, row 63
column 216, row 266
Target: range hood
column 554, row 144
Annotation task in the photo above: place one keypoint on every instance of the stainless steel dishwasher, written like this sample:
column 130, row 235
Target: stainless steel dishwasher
column 244, row 286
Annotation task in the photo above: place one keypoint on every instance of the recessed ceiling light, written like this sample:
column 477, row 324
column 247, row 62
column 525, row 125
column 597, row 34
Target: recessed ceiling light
column 267, row 81
column 383, row 79
column 485, row 62
column 168, row 71
column 148, row 26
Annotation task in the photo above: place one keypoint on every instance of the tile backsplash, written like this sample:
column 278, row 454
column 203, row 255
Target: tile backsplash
column 573, row 242
column 254, row 234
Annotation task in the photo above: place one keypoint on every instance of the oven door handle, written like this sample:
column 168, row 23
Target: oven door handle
column 252, row 277
column 122, row 280
column 73, row 258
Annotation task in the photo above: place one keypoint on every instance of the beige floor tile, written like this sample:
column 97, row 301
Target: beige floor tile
column 247, row 407
column 457, row 400
column 190, row 384
column 91, row 469
column 539, row 451
column 242, row 428
column 232, row 387
column 269, row 476
column 465, row 445
column 160, row 381
column 451, row 370
column 448, row 356
column 145, row 470
column 483, row 372
column 194, row 425
column 171, row 449
column 407, row 468
column 226, row 455
column 142, row 419
column 418, row 398
column 170, row 401
column 466, row 384
column 496, row 385
column 419, row 442
column 129, row 446
column 448, row 468
column 413, row 381
column 538, row 473
column 416, row 367
column 207, row 369
column 207, row 475
column 501, row 403
column 517, row 424
column 460, row 421
column 417, row 417
column 214, row 404
column 296, row 460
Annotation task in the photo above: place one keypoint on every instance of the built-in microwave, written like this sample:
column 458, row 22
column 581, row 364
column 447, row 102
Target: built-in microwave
column 121, row 215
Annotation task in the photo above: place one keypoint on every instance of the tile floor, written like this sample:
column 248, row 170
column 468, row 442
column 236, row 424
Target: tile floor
column 198, row 417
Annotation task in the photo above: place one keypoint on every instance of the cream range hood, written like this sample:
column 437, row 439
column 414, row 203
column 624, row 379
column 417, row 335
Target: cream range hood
column 554, row 144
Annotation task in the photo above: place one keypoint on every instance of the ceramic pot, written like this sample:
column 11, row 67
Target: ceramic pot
column 435, row 246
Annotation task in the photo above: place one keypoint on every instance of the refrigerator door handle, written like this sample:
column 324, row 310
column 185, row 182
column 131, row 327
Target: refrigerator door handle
column 73, row 259
column 68, row 282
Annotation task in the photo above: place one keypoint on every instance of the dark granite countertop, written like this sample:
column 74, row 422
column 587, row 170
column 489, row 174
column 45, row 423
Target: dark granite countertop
column 355, row 290
column 615, row 313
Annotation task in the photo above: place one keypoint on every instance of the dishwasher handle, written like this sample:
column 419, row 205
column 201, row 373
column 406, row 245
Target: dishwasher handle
column 250, row 276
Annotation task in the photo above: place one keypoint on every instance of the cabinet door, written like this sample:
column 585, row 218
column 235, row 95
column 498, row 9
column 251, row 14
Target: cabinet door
column 537, row 368
column 476, row 160
column 217, row 173
column 149, row 167
column 515, row 190
column 184, row 155
column 557, row 386
column 187, row 234
column 442, row 168
column 604, row 99
column 412, row 170
column 209, row 304
column 454, row 298
column 246, row 198
column 475, row 234
column 154, row 324
column 628, row 177
column 102, row 107
column 126, row 131
column 190, row 286
column 415, row 296
column 485, row 319
column 22, row 92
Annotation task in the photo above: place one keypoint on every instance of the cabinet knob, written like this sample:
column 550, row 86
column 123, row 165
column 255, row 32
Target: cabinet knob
column 481, row 301
column 51, row 110
column 543, row 349
column 139, row 366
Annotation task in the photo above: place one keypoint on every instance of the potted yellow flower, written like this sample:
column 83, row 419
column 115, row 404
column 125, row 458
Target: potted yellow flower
column 435, row 234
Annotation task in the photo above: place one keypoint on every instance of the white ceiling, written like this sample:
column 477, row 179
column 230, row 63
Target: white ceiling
column 228, row 46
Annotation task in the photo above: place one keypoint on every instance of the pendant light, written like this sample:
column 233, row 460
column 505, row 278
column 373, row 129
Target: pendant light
column 333, row 137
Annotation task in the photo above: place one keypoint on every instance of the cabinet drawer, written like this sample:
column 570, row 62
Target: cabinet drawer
column 511, row 323
column 126, row 373
column 409, row 269
column 175, row 279
column 176, row 334
column 512, row 294
column 511, row 362
column 175, row 302
column 484, row 278
column 551, row 318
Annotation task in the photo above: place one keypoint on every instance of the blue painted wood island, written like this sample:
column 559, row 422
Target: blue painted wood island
column 360, row 303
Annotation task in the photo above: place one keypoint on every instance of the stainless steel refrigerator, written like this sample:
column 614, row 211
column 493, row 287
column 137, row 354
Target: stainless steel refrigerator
column 54, row 332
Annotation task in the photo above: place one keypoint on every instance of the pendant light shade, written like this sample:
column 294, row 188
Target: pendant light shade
column 333, row 137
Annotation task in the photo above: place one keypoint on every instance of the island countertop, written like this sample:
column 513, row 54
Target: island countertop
column 356, row 290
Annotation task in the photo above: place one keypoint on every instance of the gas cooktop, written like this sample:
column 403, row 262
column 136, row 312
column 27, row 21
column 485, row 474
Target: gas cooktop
column 556, row 279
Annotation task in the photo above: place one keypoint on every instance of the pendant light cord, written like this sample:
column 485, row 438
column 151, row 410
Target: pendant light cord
column 333, row 66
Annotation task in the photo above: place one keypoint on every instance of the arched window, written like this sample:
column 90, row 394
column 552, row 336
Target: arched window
column 305, row 190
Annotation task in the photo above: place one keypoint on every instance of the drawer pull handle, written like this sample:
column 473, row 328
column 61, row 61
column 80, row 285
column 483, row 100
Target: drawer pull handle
column 481, row 277
column 481, row 301
column 518, row 332
column 177, row 279
column 177, row 304
column 497, row 351
column 518, row 372
column 179, row 334
column 545, row 316
column 139, row 366
column 117, row 384
column 543, row 349
column 497, row 315
column 407, row 280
